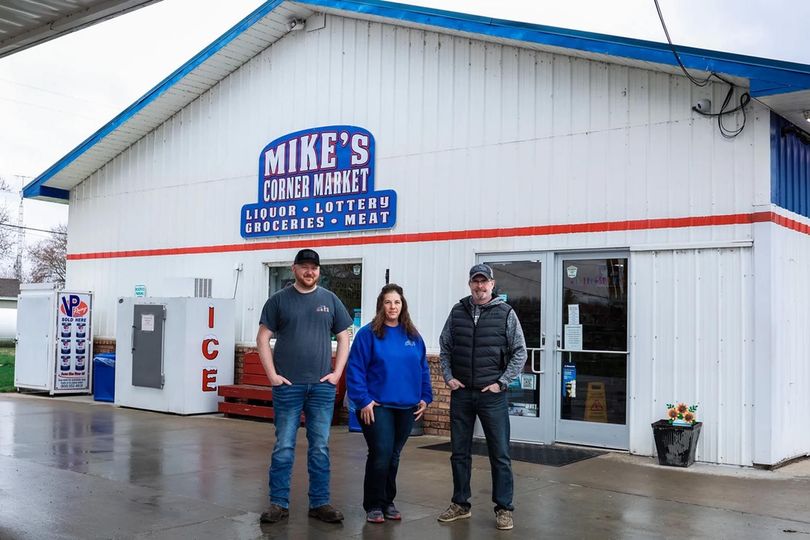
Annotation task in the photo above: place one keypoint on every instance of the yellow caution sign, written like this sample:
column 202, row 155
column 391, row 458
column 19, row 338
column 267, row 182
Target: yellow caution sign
column 595, row 403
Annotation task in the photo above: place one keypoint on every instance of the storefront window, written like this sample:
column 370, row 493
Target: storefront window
column 343, row 279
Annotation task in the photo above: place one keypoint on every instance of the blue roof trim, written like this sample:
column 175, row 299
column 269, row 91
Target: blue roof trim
column 52, row 193
column 767, row 76
column 790, row 167
column 35, row 187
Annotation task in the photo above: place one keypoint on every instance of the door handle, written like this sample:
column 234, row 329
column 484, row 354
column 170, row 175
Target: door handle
column 536, row 360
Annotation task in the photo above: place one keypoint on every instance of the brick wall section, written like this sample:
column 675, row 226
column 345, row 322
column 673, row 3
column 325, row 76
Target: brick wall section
column 238, row 359
column 437, row 416
column 103, row 346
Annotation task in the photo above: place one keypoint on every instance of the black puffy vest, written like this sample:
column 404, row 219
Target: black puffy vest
column 479, row 351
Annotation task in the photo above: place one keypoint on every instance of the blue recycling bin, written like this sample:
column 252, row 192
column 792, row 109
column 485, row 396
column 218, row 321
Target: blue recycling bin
column 104, row 377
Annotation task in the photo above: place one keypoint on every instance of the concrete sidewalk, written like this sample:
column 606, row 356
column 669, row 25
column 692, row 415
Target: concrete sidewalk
column 73, row 468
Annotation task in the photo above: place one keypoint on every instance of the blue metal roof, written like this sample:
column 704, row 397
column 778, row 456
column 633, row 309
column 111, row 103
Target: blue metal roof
column 767, row 77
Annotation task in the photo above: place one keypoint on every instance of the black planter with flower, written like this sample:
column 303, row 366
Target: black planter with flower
column 676, row 445
column 676, row 438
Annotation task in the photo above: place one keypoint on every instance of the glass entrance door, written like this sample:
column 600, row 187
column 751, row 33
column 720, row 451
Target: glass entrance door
column 591, row 349
column 522, row 283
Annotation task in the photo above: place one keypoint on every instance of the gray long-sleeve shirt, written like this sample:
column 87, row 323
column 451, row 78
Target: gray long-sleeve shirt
column 516, row 344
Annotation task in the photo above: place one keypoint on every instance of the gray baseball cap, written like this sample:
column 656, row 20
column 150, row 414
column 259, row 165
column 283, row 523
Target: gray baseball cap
column 482, row 270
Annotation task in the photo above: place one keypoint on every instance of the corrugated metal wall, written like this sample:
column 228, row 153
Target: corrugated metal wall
column 555, row 139
column 692, row 340
column 790, row 167
column 470, row 134
column 784, row 356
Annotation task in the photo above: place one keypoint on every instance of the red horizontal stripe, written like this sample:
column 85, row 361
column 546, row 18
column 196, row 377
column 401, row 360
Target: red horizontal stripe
column 510, row 232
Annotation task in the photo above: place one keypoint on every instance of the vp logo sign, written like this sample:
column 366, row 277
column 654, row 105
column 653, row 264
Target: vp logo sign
column 73, row 306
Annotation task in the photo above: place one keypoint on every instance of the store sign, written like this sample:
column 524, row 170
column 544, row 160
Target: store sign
column 74, row 343
column 210, row 351
column 318, row 180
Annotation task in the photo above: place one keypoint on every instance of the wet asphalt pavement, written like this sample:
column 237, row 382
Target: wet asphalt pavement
column 71, row 468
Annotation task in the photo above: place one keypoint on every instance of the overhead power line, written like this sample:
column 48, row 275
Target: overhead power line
column 9, row 225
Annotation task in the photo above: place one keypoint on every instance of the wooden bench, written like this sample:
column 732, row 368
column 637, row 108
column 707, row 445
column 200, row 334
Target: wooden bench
column 254, row 396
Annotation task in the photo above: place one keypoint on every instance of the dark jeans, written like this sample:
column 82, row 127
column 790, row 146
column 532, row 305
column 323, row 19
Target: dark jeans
column 385, row 438
column 491, row 408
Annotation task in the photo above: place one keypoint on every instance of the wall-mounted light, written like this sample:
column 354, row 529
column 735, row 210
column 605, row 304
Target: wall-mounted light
column 296, row 25
column 807, row 115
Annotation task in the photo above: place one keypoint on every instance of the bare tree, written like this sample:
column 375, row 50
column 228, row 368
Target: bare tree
column 6, row 228
column 48, row 257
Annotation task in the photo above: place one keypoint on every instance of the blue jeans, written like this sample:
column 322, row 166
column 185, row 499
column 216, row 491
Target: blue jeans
column 317, row 402
column 491, row 408
column 385, row 438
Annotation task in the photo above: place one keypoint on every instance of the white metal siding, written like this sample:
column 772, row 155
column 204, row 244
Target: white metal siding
column 692, row 329
column 784, row 360
column 513, row 136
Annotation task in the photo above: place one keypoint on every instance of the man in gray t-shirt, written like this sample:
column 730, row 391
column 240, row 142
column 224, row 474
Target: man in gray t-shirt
column 302, row 325
column 302, row 318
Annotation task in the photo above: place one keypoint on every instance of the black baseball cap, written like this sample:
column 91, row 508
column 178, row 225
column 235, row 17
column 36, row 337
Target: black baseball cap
column 307, row 256
column 481, row 270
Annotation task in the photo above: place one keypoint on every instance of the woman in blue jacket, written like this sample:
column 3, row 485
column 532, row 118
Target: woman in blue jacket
column 389, row 383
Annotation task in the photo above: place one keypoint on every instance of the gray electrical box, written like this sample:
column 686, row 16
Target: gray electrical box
column 147, row 345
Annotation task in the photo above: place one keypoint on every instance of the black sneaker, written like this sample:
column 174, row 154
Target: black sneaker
column 274, row 514
column 326, row 513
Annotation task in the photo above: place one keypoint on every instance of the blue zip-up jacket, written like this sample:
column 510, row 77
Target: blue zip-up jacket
column 392, row 371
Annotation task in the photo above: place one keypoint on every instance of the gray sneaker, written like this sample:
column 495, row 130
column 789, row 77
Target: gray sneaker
column 503, row 520
column 454, row 512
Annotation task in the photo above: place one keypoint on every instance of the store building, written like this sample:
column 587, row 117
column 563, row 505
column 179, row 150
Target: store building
column 650, row 258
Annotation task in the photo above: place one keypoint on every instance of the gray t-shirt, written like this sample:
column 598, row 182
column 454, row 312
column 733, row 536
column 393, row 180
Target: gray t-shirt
column 303, row 325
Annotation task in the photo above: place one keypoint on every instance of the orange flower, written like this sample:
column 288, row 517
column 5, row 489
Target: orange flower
column 672, row 414
column 689, row 417
column 682, row 408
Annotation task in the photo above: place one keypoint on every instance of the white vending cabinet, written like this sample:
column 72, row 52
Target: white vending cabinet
column 54, row 340
column 171, row 354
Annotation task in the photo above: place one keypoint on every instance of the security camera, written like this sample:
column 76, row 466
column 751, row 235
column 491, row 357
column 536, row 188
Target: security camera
column 295, row 24
column 703, row 106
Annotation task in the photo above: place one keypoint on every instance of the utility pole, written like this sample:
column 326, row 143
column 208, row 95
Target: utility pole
column 5, row 187
column 18, row 271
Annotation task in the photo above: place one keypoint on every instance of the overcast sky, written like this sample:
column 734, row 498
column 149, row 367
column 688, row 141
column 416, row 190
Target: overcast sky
column 55, row 95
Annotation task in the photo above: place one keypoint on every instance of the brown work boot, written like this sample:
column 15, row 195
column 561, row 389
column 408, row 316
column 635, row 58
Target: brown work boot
column 326, row 513
column 454, row 512
column 274, row 514
column 503, row 520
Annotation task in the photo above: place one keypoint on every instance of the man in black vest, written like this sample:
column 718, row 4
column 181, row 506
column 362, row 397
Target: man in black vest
column 482, row 350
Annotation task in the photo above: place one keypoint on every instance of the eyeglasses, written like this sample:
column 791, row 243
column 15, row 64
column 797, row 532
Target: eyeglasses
column 479, row 281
